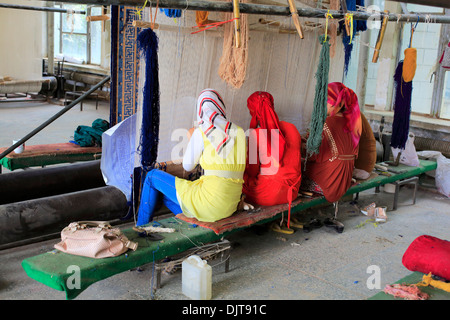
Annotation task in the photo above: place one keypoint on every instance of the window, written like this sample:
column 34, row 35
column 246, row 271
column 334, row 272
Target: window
column 425, row 39
column 76, row 39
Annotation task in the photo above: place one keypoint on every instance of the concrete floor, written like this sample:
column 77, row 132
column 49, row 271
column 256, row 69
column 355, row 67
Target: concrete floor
column 265, row 265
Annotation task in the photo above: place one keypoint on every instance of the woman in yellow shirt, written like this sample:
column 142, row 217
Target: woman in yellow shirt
column 219, row 147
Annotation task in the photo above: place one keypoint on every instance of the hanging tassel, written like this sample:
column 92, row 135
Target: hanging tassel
column 319, row 113
column 347, row 38
column 201, row 18
column 171, row 13
column 148, row 145
column 409, row 64
column 402, row 109
column 360, row 25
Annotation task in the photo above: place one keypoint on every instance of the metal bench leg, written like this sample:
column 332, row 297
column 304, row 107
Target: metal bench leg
column 416, row 184
column 227, row 262
column 158, row 278
column 397, row 189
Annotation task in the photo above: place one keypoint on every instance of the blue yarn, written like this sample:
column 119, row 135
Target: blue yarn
column 402, row 109
column 358, row 25
column 172, row 13
column 148, row 145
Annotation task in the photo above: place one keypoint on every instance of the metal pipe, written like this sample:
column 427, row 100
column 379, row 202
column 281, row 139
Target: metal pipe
column 262, row 9
column 48, row 9
column 33, row 218
column 46, row 182
column 56, row 116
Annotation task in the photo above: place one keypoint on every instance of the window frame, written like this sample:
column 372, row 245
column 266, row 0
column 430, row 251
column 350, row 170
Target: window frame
column 87, row 35
column 438, row 75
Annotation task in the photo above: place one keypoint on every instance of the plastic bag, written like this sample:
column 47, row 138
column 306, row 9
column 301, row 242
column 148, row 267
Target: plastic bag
column 442, row 176
column 409, row 155
column 445, row 58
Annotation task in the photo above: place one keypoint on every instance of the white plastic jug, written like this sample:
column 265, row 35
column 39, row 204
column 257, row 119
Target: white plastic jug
column 196, row 278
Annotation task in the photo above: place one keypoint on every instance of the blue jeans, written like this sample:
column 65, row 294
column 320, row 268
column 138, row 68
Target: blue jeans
column 157, row 182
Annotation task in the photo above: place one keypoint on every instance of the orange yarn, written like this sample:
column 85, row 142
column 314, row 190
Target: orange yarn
column 409, row 64
column 201, row 18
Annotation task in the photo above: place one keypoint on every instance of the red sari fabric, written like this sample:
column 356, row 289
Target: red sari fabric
column 332, row 167
column 273, row 171
column 272, row 189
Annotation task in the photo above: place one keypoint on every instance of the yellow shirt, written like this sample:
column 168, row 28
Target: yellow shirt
column 217, row 193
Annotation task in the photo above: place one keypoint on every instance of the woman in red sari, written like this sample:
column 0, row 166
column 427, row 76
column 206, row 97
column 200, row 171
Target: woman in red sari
column 273, row 170
column 330, row 171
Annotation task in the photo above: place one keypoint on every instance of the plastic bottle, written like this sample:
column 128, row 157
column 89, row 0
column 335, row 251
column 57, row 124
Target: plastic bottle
column 196, row 278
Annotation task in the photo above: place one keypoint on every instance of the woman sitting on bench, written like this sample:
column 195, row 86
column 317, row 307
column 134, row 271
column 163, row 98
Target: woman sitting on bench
column 273, row 172
column 219, row 147
column 330, row 171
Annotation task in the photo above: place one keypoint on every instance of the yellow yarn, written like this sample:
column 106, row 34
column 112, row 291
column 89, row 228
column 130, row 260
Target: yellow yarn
column 327, row 15
column 427, row 280
column 409, row 64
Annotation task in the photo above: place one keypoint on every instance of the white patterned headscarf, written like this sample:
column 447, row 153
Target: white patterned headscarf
column 211, row 117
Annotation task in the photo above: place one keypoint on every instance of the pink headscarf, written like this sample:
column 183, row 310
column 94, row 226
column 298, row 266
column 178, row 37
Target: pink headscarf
column 338, row 92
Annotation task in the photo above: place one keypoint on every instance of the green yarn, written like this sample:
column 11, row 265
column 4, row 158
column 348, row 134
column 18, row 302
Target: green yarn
column 319, row 113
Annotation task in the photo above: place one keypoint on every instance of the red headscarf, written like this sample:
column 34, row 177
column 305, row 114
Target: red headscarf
column 260, row 105
column 338, row 92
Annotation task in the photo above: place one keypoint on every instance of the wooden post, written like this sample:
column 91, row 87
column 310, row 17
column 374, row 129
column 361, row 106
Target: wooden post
column 376, row 54
column 295, row 18
column 237, row 23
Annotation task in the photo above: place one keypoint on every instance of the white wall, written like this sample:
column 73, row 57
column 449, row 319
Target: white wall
column 21, row 41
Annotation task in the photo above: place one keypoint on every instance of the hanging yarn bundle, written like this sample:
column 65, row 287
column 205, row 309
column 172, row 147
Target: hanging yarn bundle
column 172, row 13
column 403, row 77
column 319, row 113
column 148, row 145
column 201, row 18
column 347, row 37
column 234, row 61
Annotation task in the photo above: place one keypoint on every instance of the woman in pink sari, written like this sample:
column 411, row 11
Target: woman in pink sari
column 330, row 171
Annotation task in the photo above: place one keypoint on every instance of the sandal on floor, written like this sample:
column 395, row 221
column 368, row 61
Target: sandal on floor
column 313, row 224
column 295, row 223
column 380, row 214
column 281, row 229
column 369, row 210
column 333, row 223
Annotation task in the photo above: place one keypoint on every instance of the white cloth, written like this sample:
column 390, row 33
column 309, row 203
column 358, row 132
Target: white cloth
column 118, row 155
column 211, row 117
column 194, row 151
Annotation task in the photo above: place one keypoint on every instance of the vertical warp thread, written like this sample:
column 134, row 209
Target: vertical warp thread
column 148, row 144
column 319, row 113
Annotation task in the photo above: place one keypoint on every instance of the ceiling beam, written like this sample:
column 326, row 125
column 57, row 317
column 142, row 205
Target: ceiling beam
column 432, row 3
column 261, row 9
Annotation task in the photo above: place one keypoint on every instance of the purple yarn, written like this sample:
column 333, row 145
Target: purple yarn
column 148, row 147
column 402, row 109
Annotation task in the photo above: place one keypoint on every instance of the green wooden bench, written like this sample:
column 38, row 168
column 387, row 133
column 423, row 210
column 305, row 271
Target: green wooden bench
column 47, row 154
column 54, row 268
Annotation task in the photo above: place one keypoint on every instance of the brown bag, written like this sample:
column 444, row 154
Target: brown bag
column 94, row 239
